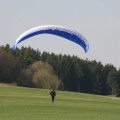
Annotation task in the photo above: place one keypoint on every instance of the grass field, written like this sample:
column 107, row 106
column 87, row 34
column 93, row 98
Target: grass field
column 17, row 103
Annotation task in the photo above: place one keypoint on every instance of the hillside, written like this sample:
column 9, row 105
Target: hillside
column 18, row 103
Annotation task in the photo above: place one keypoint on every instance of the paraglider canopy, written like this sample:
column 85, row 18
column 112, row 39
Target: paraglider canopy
column 61, row 31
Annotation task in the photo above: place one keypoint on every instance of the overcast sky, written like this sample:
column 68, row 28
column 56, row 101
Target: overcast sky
column 97, row 20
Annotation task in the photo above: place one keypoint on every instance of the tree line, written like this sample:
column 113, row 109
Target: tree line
column 31, row 68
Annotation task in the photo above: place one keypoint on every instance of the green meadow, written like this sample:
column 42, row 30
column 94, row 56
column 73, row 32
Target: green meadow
column 18, row 103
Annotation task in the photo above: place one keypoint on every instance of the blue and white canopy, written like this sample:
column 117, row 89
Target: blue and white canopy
column 61, row 31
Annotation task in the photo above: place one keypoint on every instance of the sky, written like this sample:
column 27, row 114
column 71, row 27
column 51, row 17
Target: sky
column 97, row 20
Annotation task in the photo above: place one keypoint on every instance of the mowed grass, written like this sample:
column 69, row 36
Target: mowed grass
column 18, row 103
